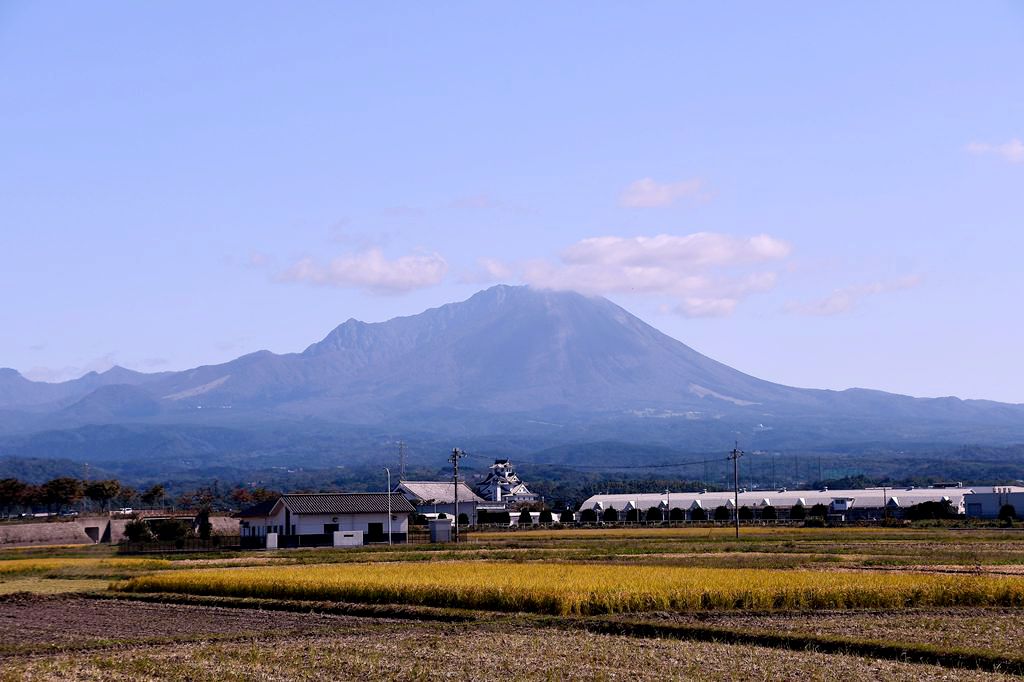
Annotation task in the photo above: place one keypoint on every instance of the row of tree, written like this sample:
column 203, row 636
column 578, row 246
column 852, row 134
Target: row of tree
column 720, row 513
column 67, row 493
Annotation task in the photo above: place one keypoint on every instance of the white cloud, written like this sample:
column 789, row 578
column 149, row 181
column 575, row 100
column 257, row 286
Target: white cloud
column 371, row 271
column 489, row 270
column 1012, row 151
column 55, row 374
column 704, row 274
column 848, row 298
column 648, row 193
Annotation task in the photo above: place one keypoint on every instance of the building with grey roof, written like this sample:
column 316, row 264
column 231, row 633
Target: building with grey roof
column 318, row 516
column 856, row 504
column 431, row 498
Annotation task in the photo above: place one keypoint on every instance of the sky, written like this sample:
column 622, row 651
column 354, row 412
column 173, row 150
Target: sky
column 819, row 194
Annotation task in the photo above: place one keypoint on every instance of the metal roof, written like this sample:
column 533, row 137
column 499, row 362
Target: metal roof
column 345, row 503
column 868, row 497
column 437, row 492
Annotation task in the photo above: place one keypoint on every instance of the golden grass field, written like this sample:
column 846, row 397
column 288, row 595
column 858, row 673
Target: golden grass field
column 587, row 589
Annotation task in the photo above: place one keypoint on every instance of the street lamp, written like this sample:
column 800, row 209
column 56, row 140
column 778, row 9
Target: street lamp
column 389, row 504
column 668, row 506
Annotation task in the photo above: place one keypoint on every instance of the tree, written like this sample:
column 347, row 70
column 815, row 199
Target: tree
column 654, row 514
column 746, row 513
column 633, row 515
column 1007, row 514
column 102, row 492
column 137, row 530
column 483, row 516
column 930, row 509
column 442, row 515
column 588, row 516
column 154, row 496
column 503, row 518
column 545, row 516
column 819, row 510
column 11, row 492
column 610, row 515
column 678, row 514
column 698, row 514
column 798, row 512
column 463, row 519
column 525, row 518
column 722, row 513
column 61, row 492
column 566, row 517
column 768, row 513
column 170, row 530
column 203, row 526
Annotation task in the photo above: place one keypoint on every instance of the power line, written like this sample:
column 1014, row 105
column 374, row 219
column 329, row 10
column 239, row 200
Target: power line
column 612, row 467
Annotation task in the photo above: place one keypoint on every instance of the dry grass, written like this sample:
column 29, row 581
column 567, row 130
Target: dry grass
column 36, row 585
column 419, row 651
column 587, row 589
column 77, row 565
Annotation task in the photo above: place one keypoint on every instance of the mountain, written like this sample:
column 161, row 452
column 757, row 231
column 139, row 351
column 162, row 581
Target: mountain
column 530, row 368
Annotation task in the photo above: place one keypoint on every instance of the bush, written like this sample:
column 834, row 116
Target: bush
column 633, row 516
column 610, row 515
column 746, row 513
column 819, row 511
column 545, row 516
column 814, row 522
column 442, row 515
column 678, row 514
column 721, row 513
column 566, row 517
column 1007, row 514
column 137, row 531
column 654, row 514
column 768, row 513
column 525, row 518
column 930, row 510
column 170, row 530
column 588, row 516
column 696, row 514
column 483, row 516
column 798, row 512
column 463, row 519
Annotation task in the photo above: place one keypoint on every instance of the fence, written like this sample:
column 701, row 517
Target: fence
column 216, row 543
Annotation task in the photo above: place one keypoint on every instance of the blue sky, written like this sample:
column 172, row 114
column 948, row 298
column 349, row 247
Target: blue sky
column 820, row 194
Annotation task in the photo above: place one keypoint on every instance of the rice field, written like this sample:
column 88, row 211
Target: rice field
column 580, row 589
column 56, row 564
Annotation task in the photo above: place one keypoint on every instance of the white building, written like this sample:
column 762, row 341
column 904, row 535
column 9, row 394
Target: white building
column 321, row 514
column 867, row 503
column 984, row 502
column 431, row 498
column 504, row 485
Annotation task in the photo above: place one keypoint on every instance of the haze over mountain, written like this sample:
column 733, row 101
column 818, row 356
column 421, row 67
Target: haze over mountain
column 538, row 367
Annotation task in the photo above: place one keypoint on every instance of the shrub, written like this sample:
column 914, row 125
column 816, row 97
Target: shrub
column 697, row 514
column 746, row 513
column 566, row 517
column 483, row 516
column 654, row 514
column 819, row 510
column 545, row 516
column 1007, row 514
column 721, row 513
column 588, row 516
column 633, row 515
column 170, row 530
column 798, row 512
column 463, row 519
column 137, row 531
column 502, row 517
column 610, row 514
column 525, row 518
column 678, row 514
column 768, row 513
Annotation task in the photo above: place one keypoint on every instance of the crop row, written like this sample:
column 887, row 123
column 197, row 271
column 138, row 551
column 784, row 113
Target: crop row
column 587, row 589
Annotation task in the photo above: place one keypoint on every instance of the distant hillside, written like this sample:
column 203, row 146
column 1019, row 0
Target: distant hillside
column 514, row 367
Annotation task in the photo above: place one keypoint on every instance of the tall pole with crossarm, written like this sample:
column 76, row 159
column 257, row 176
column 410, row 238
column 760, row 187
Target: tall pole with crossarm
column 454, row 459
column 735, row 457
column 389, row 504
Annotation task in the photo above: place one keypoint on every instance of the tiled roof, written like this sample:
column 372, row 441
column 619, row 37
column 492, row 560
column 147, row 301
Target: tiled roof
column 346, row 503
column 439, row 492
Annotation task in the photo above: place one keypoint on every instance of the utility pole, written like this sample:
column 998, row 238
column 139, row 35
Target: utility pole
column 735, row 457
column 389, row 504
column 401, row 460
column 454, row 459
